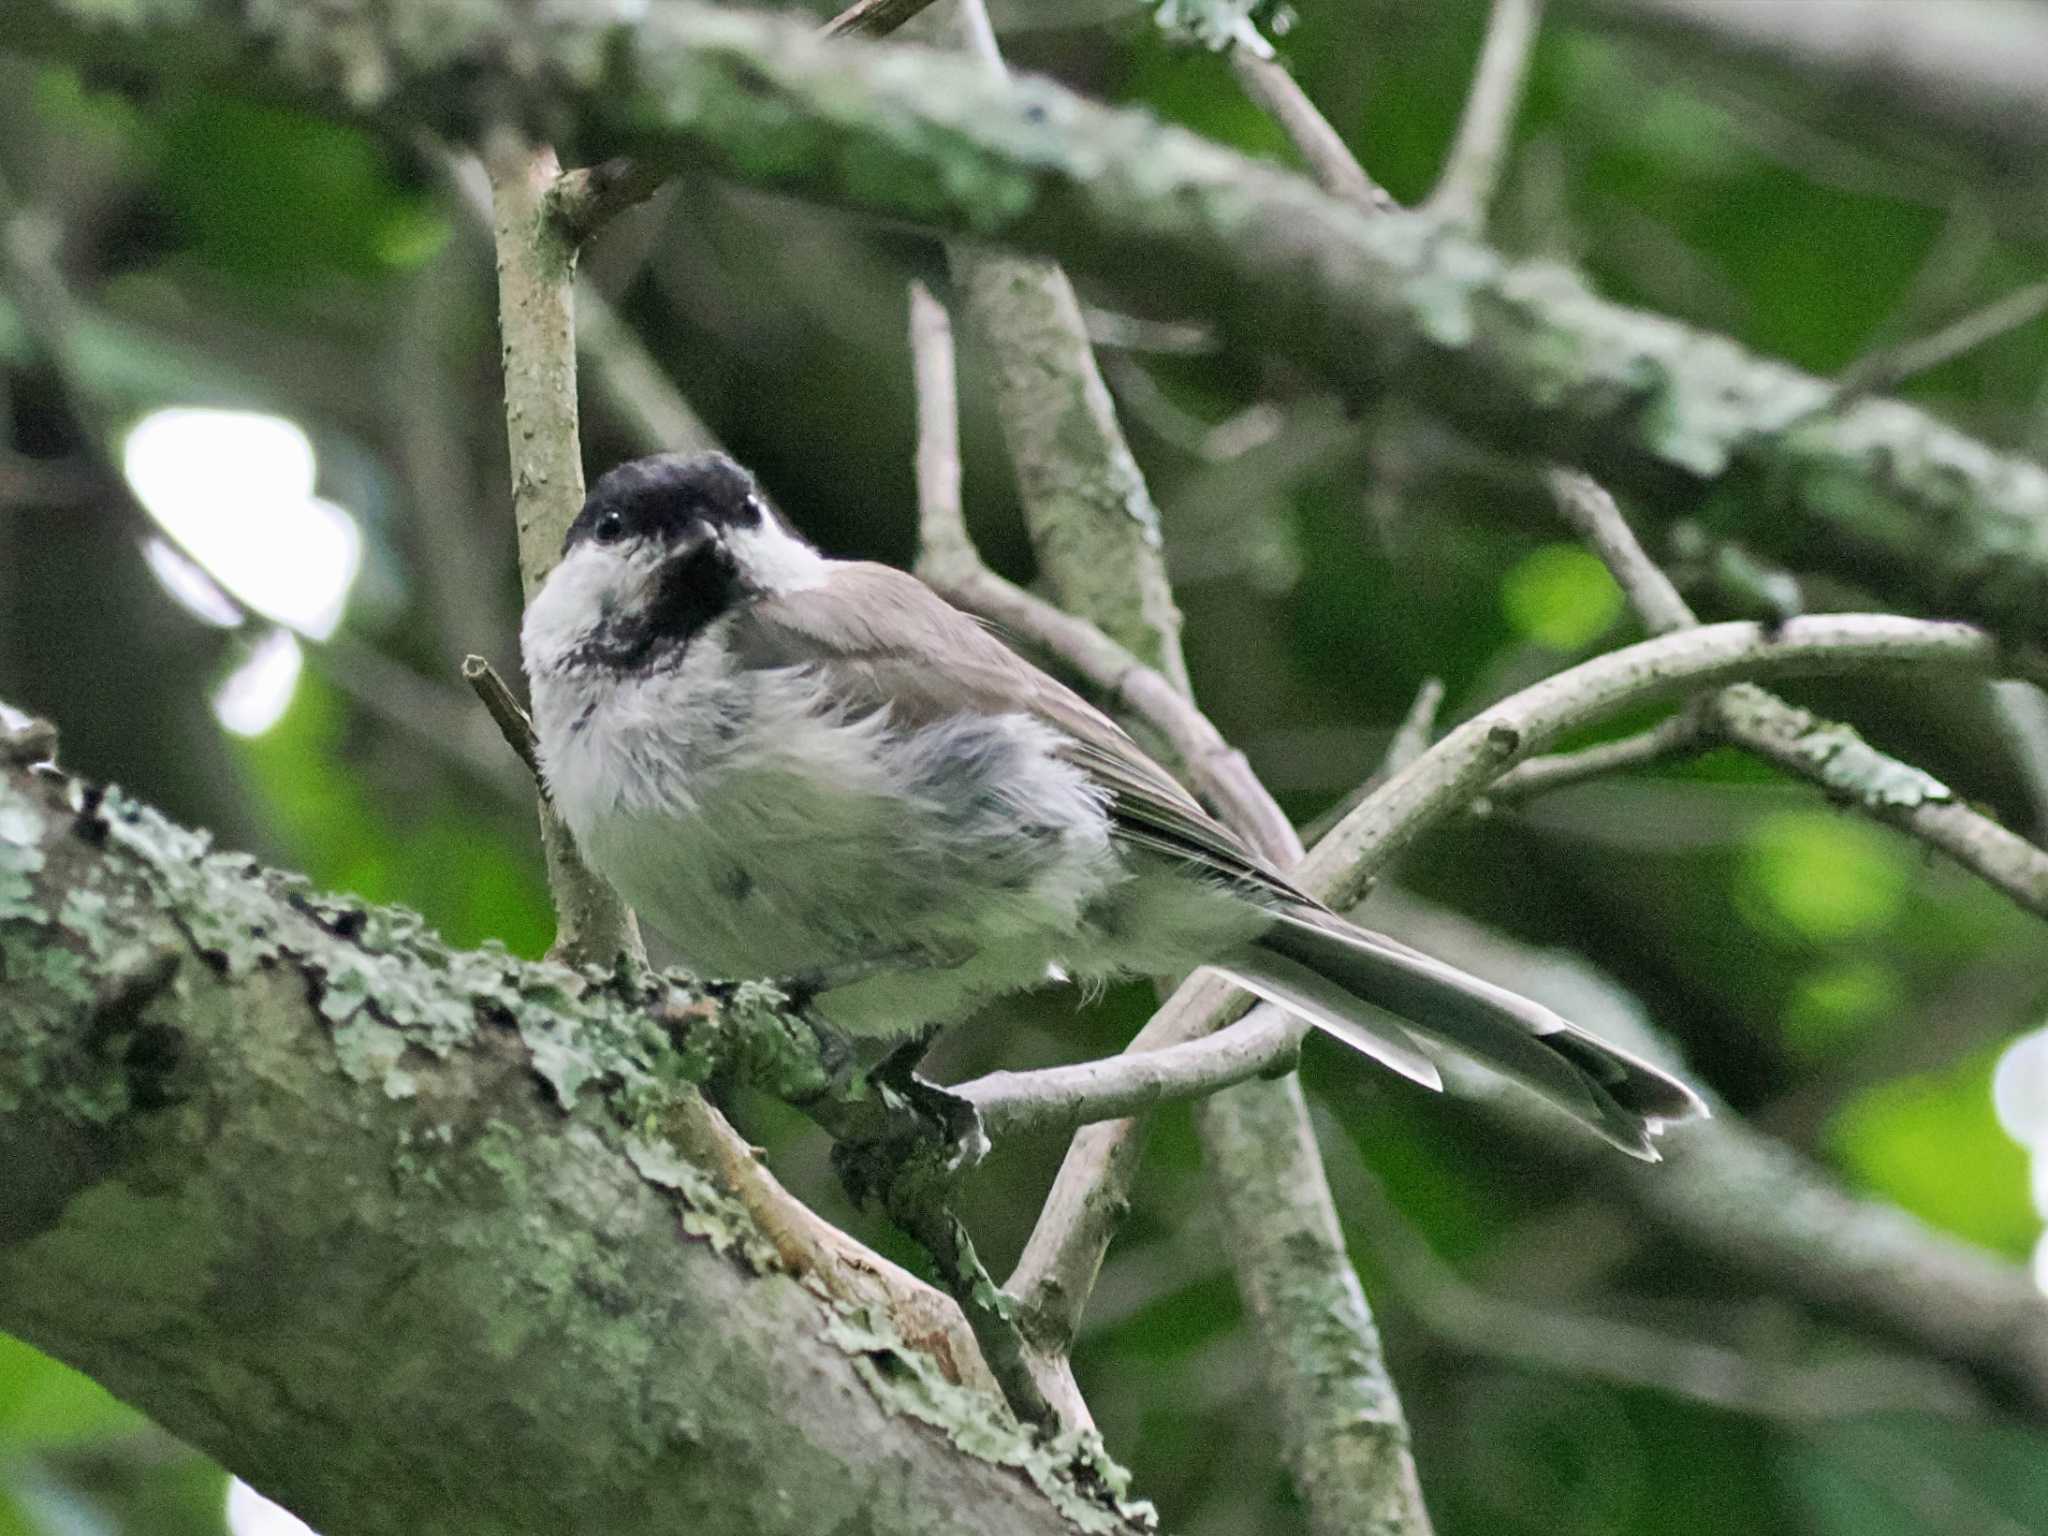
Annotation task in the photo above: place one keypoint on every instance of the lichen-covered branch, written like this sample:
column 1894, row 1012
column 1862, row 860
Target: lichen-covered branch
column 1824, row 753
column 1519, row 355
column 397, row 1233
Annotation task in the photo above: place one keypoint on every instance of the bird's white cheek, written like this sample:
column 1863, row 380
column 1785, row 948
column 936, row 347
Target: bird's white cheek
column 590, row 586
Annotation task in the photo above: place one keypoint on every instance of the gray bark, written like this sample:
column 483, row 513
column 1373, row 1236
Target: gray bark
column 394, row 1232
column 1523, row 356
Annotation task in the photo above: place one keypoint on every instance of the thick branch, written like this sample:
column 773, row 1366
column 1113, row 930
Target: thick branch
column 395, row 1233
column 1523, row 356
column 1973, row 66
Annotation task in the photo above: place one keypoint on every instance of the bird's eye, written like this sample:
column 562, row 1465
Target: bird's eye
column 611, row 528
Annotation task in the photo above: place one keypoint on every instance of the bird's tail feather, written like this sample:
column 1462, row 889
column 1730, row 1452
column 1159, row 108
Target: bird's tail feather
column 1347, row 981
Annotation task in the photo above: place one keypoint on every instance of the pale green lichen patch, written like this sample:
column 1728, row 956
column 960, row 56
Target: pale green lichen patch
column 1071, row 1470
column 21, row 855
column 1850, row 767
column 708, row 1211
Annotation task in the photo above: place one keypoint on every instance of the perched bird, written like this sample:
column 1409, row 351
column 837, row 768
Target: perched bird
column 797, row 766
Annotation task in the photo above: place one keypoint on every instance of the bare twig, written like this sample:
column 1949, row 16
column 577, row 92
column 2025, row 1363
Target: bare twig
column 1064, row 1098
column 1410, row 740
column 1486, row 130
column 1322, row 148
column 1412, row 736
column 1829, row 755
column 1683, row 735
column 504, row 709
column 1885, row 369
column 1585, row 504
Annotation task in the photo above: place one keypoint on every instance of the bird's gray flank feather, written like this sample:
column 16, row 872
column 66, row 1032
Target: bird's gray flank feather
column 872, row 634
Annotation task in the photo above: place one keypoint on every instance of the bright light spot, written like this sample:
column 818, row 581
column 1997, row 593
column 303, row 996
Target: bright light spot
column 2041, row 1265
column 235, row 490
column 1560, row 597
column 251, row 1514
column 2019, row 1090
column 196, row 592
column 259, row 691
column 1827, row 877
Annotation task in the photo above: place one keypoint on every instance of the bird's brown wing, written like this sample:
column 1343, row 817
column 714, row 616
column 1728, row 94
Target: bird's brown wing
column 882, row 638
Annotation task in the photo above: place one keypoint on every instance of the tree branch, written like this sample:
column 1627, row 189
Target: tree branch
column 1831, row 756
column 1322, row 148
column 537, row 318
column 1066, row 1098
column 1096, row 535
column 1969, row 65
column 1520, row 356
column 1468, row 759
column 1486, row 130
column 265, row 1154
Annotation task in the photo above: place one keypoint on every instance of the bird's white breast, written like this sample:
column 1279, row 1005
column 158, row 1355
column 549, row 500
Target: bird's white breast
column 766, row 833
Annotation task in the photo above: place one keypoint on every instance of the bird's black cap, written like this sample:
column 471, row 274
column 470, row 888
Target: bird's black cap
column 665, row 494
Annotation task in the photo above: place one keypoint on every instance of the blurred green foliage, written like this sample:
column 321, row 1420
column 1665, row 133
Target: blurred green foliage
column 1824, row 975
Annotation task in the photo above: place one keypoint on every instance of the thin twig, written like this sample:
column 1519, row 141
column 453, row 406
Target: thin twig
column 1322, row 148
column 1065, row 1098
column 1472, row 170
column 1683, row 735
column 1891, row 366
column 1593, row 515
column 1830, row 755
column 1410, row 740
column 536, row 316
column 513, row 721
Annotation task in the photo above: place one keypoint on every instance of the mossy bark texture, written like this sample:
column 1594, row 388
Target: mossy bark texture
column 1520, row 355
column 394, row 1232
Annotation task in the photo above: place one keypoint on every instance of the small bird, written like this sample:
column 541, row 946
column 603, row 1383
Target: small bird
column 797, row 766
